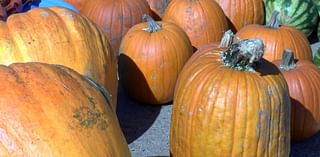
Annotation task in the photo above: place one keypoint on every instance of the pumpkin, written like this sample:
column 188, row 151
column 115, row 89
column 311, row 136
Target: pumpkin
column 158, row 6
column 49, row 3
column 301, row 14
column 115, row 17
column 277, row 38
column 242, row 12
column 203, row 20
column 303, row 79
column 59, row 36
column 51, row 110
column 152, row 55
column 230, row 102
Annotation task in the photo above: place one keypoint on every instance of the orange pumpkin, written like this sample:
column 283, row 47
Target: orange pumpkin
column 115, row 17
column 203, row 20
column 242, row 12
column 152, row 55
column 223, row 106
column 59, row 36
column 278, row 38
column 303, row 78
column 50, row 110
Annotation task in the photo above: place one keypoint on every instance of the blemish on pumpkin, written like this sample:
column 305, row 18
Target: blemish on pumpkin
column 269, row 90
column 90, row 116
column 44, row 14
column 69, row 16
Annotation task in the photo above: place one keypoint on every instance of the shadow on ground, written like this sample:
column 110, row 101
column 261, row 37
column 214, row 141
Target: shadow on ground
column 134, row 118
column 306, row 148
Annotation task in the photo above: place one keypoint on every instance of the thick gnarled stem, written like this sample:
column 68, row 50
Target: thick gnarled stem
column 243, row 55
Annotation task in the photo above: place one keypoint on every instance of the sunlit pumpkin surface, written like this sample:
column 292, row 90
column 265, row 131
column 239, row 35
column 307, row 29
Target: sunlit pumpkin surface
column 52, row 111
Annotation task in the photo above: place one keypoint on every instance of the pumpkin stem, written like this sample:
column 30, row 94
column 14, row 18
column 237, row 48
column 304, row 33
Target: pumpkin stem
column 164, row 6
column 287, row 62
column 227, row 39
column 102, row 90
column 153, row 26
column 243, row 55
column 274, row 22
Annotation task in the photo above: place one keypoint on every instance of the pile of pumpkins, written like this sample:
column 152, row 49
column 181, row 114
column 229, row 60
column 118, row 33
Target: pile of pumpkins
column 245, row 94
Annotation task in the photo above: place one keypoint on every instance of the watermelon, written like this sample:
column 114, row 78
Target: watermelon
column 301, row 14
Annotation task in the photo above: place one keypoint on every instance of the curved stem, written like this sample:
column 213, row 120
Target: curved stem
column 243, row 55
column 153, row 26
column 227, row 39
column 274, row 22
column 287, row 62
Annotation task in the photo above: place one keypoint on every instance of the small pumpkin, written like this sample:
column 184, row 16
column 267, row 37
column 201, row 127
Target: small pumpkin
column 301, row 14
column 51, row 110
column 152, row 55
column 277, row 38
column 303, row 79
column 230, row 102
column 203, row 20
column 115, row 17
column 242, row 12
column 59, row 36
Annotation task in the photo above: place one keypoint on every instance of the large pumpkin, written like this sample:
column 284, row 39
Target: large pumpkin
column 277, row 38
column 203, row 20
column 59, row 36
column 303, row 78
column 152, row 55
column 115, row 17
column 49, row 110
column 301, row 14
column 243, row 12
column 225, row 107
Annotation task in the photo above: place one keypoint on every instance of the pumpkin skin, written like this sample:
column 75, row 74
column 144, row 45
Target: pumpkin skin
column 158, row 6
column 301, row 14
column 277, row 39
column 50, row 110
column 242, row 12
column 221, row 111
column 77, row 3
column 304, row 84
column 203, row 20
column 115, row 17
column 152, row 63
column 59, row 36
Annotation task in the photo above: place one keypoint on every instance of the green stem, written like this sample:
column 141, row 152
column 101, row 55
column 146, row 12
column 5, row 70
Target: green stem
column 153, row 26
column 274, row 22
column 243, row 55
column 287, row 62
column 227, row 39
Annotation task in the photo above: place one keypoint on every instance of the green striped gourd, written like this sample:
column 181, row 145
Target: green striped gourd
column 301, row 14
